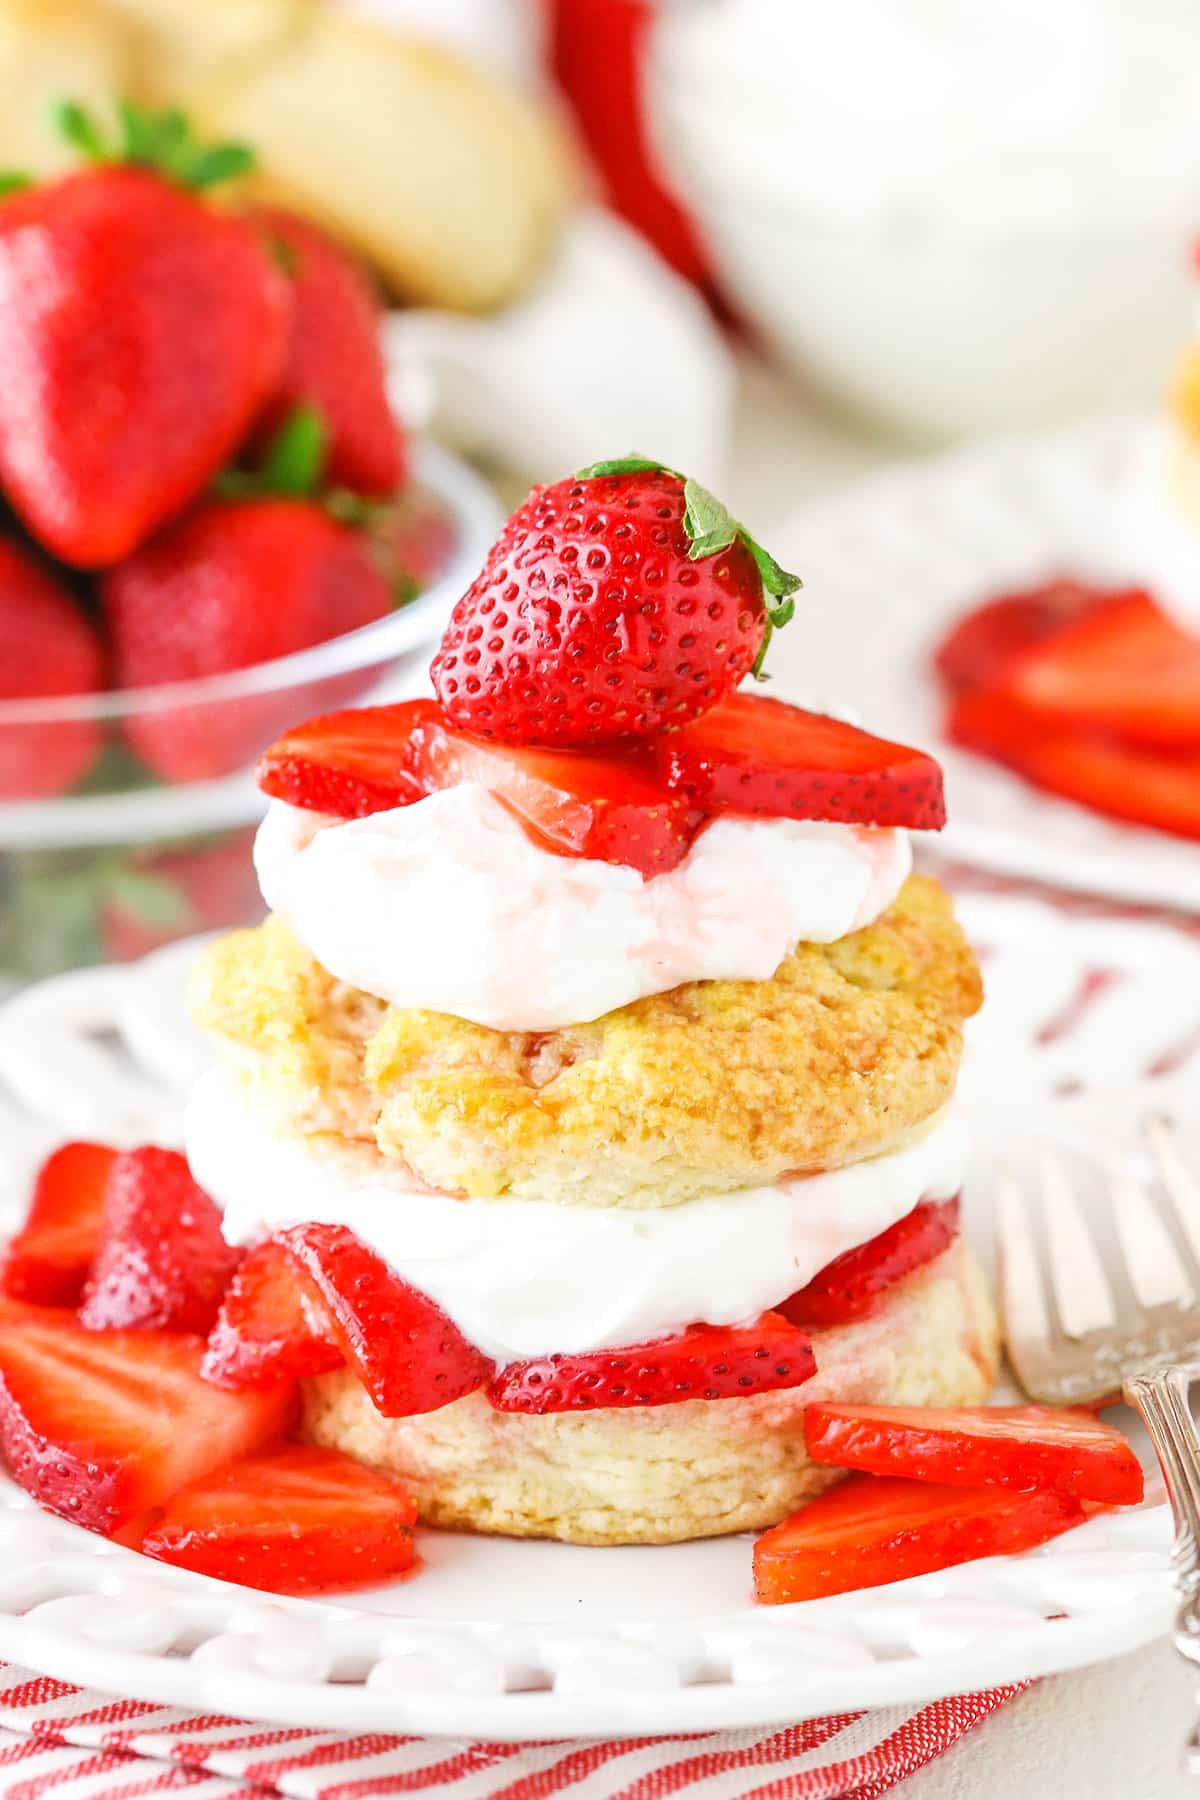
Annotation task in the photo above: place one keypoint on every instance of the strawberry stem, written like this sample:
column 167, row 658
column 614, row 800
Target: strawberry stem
column 12, row 181
column 161, row 141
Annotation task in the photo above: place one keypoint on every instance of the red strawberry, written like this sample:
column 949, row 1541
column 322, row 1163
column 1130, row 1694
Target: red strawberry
column 102, row 1426
column 293, row 1520
column 162, row 1262
column 409, row 1356
column 141, row 331
column 232, row 584
column 755, row 755
column 1071, row 1451
column 1122, row 668
column 705, row 1362
column 355, row 763
column 986, row 642
column 273, row 1325
column 1147, row 787
column 334, row 360
column 854, row 1284
column 614, row 604
column 867, row 1532
column 48, row 1260
column 48, row 649
column 161, row 895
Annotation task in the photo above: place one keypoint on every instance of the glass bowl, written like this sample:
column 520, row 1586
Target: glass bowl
column 126, row 859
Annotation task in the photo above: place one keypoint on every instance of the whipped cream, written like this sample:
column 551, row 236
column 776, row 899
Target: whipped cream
column 450, row 905
column 1162, row 523
column 528, row 1278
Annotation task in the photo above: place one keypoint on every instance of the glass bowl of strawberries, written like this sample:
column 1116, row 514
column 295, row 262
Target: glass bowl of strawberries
column 212, row 522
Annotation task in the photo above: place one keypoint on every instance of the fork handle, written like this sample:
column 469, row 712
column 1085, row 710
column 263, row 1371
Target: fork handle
column 1161, row 1400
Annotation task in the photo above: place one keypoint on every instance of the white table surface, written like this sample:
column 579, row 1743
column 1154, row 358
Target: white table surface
column 1110, row 1733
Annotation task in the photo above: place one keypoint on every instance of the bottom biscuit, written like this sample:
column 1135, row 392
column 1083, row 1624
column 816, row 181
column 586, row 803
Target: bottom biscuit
column 657, row 1475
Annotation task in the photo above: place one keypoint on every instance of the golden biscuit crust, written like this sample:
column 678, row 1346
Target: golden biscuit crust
column 850, row 1048
column 658, row 1475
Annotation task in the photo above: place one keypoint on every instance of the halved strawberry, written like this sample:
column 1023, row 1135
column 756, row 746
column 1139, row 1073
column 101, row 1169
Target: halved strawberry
column 292, row 1519
column 869, row 1531
column 751, row 754
column 47, row 1262
column 273, row 1325
column 1123, row 668
column 102, row 1426
column 162, row 1261
column 359, row 762
column 409, row 1356
column 1069, row 1450
column 987, row 641
column 705, row 1362
column 854, row 1284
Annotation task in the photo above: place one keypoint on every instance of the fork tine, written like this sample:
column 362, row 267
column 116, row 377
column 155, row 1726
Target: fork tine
column 1023, row 1294
column 1181, row 1185
column 1155, row 1268
column 1080, row 1286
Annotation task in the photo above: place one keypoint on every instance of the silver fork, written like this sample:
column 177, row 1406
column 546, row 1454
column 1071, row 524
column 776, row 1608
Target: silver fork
column 1119, row 1314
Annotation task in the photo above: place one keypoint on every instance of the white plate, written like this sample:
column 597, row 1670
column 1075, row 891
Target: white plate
column 892, row 561
column 523, row 1640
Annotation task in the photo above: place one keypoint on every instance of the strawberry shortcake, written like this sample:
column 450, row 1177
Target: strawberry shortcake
column 587, row 1101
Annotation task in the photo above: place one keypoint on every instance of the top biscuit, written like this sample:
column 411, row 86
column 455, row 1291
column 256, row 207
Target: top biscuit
column 850, row 1048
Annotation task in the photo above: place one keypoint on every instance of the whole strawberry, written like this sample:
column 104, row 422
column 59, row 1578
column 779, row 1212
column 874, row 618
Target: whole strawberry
column 234, row 583
column 141, row 331
column 49, row 649
column 614, row 604
column 334, row 362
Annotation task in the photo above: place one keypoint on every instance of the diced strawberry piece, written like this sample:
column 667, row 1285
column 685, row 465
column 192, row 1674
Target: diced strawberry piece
column 706, row 1362
column 1123, row 668
column 751, row 754
column 986, row 642
column 409, row 1356
column 292, row 1519
column 854, row 1284
column 273, row 1325
column 102, row 1426
column 47, row 1262
column 869, row 1531
column 163, row 1263
column 605, row 807
column 1071, row 1451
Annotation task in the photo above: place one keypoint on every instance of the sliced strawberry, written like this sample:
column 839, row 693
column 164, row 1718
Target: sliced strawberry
column 293, row 1520
column 1156, row 788
column 1123, row 668
column 162, row 1262
column 1070, row 1450
column 48, row 1260
column 605, row 807
column 273, row 1325
column 986, row 642
column 102, row 1426
column 409, row 1356
column 706, row 1362
column 755, row 755
column 867, row 1532
column 854, row 1284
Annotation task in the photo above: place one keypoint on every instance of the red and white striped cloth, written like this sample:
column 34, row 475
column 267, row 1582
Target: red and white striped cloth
column 63, row 1740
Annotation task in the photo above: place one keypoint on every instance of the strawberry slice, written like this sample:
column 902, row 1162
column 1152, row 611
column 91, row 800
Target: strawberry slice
column 706, row 1362
column 755, row 755
column 986, row 643
column 869, row 1531
column 273, row 1325
column 103, row 1426
column 854, row 1284
column 605, row 807
column 162, row 1262
column 1070, row 1451
column 409, row 1356
column 1123, row 668
column 47, row 1262
column 292, row 1519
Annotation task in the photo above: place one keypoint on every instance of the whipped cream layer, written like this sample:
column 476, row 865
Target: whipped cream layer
column 450, row 905
column 1162, row 523
column 528, row 1278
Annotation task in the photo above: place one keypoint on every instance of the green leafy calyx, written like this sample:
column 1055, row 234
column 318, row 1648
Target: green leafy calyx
column 162, row 141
